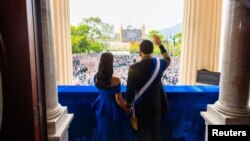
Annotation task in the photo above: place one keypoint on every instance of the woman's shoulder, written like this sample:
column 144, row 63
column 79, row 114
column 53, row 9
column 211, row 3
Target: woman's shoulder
column 115, row 81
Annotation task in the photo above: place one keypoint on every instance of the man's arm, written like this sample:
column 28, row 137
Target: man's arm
column 164, row 53
column 130, row 93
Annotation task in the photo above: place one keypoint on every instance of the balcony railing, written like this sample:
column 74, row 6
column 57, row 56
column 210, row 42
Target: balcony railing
column 183, row 123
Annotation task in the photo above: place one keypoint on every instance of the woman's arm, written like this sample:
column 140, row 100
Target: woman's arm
column 118, row 96
column 120, row 101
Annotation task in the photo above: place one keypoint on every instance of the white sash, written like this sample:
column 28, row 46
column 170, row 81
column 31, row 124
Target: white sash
column 144, row 88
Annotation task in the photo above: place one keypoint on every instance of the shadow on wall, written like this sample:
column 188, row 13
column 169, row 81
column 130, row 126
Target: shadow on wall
column 183, row 123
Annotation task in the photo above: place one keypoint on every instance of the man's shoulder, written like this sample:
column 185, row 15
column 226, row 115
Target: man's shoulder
column 134, row 68
column 135, row 65
column 141, row 64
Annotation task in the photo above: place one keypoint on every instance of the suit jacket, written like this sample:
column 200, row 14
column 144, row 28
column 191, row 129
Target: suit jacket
column 155, row 103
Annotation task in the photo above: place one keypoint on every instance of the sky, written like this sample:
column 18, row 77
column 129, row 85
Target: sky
column 154, row 14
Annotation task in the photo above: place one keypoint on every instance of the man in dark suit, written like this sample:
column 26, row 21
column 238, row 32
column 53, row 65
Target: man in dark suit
column 152, row 104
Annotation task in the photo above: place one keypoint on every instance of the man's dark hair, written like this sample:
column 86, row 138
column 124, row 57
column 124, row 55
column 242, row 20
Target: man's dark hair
column 146, row 46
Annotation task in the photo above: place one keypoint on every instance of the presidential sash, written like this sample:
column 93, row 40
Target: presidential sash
column 145, row 90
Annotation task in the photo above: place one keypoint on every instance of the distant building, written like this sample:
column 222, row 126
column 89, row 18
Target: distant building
column 114, row 45
column 132, row 34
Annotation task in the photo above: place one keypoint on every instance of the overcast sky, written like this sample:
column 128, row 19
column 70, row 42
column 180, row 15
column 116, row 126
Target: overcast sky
column 155, row 14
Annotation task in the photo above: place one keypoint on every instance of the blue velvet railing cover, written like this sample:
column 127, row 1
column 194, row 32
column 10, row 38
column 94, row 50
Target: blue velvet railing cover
column 183, row 123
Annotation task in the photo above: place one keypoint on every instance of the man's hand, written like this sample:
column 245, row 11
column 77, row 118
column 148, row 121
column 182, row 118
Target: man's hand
column 127, row 110
column 157, row 40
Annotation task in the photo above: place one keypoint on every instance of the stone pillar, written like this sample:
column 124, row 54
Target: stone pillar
column 232, row 107
column 58, row 118
column 201, row 38
column 62, row 42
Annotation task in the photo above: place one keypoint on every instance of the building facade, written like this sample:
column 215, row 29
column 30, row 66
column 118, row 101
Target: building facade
column 130, row 34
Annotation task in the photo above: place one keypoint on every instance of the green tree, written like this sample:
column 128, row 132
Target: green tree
column 175, row 45
column 99, row 30
column 164, row 42
column 80, row 42
column 89, row 35
column 134, row 47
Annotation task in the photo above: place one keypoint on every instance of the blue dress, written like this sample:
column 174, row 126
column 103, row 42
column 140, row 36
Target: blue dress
column 110, row 117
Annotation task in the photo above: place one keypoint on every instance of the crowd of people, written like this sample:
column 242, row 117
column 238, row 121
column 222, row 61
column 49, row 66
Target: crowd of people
column 86, row 65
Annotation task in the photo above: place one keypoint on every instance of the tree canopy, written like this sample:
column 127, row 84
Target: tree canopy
column 99, row 30
column 90, row 35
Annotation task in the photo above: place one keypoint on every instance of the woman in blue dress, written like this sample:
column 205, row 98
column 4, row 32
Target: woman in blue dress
column 109, row 106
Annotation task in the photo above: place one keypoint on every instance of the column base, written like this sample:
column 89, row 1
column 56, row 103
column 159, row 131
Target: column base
column 213, row 116
column 58, row 127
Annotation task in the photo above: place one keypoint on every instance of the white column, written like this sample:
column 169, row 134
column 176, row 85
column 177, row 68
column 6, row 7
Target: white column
column 234, row 91
column 232, row 106
column 201, row 38
column 62, row 42
column 57, row 118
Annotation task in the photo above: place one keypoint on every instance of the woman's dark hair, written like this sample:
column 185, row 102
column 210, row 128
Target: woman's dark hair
column 105, row 71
